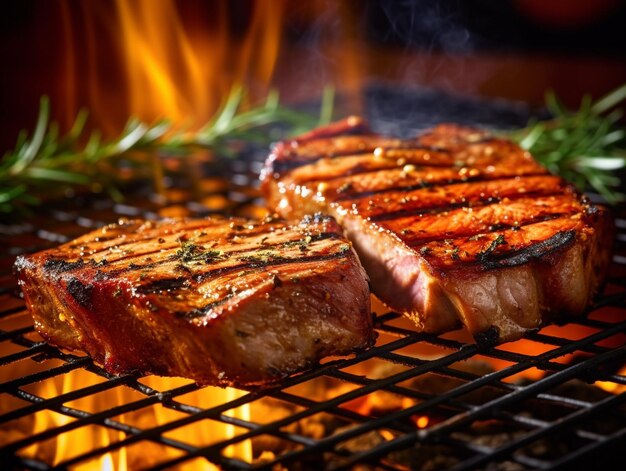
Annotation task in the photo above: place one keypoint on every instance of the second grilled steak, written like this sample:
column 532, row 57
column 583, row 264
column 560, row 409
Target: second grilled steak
column 454, row 226
column 226, row 302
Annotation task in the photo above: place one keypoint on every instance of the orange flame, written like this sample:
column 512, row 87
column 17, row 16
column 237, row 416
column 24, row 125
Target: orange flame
column 77, row 441
column 156, row 47
column 612, row 387
column 86, row 438
column 422, row 421
column 147, row 59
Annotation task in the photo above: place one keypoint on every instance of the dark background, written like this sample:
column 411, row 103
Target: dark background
column 579, row 27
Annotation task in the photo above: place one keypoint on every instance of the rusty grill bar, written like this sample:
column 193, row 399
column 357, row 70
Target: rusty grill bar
column 521, row 416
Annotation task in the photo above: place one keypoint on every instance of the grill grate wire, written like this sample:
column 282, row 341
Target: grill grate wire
column 596, row 354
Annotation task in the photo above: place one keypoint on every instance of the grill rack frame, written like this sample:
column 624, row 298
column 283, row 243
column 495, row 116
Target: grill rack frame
column 70, row 218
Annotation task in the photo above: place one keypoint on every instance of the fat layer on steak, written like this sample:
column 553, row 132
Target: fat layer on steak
column 454, row 226
column 221, row 301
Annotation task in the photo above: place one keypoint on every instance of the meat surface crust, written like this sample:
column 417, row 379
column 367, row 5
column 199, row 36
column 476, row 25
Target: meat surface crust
column 221, row 301
column 454, row 226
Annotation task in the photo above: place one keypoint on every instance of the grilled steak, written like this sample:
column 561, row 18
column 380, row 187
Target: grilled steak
column 221, row 301
column 454, row 226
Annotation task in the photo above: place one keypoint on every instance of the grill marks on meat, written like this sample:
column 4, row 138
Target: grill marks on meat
column 453, row 226
column 228, row 302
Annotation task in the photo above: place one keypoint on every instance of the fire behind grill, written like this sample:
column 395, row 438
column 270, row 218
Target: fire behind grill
column 414, row 401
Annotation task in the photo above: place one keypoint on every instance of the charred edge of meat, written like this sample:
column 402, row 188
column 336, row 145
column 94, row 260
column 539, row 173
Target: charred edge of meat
column 101, row 276
column 165, row 284
column 277, row 282
column 204, row 310
column 558, row 241
column 80, row 292
column 488, row 338
column 56, row 265
column 133, row 267
column 483, row 256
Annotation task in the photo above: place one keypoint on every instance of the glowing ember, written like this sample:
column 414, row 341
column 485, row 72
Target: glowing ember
column 422, row 422
column 613, row 387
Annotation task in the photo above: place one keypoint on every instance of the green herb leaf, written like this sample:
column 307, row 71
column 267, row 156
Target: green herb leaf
column 38, row 164
column 586, row 146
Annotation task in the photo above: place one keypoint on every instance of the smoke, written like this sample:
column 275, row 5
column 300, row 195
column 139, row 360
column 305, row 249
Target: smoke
column 439, row 43
column 414, row 44
column 442, row 62
column 433, row 26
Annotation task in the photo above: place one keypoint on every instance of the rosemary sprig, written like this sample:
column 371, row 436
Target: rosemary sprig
column 47, row 162
column 586, row 146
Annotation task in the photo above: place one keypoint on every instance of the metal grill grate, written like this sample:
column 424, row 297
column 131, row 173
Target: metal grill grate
column 413, row 401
